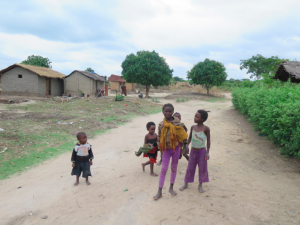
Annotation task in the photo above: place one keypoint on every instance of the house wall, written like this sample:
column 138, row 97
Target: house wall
column 100, row 85
column 130, row 87
column 114, row 86
column 42, row 86
column 27, row 85
column 77, row 83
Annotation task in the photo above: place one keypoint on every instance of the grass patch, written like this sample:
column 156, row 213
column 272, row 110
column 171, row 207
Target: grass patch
column 38, row 132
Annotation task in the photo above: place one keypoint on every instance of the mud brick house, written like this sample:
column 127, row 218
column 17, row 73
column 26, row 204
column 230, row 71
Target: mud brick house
column 83, row 82
column 28, row 80
column 116, row 82
column 288, row 70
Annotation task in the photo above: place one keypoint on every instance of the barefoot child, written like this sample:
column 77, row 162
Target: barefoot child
column 151, row 140
column 170, row 133
column 199, row 154
column 82, row 157
column 183, row 152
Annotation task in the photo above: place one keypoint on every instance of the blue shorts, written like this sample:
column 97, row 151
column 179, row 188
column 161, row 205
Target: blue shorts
column 83, row 167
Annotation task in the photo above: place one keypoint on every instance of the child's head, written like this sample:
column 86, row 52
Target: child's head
column 151, row 127
column 200, row 116
column 177, row 114
column 168, row 110
column 82, row 138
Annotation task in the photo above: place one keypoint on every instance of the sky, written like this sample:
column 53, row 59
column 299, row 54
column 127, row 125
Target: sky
column 99, row 34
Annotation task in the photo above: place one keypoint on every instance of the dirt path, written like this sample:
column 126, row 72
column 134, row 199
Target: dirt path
column 249, row 182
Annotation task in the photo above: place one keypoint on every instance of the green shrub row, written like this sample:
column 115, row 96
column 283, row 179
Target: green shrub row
column 275, row 112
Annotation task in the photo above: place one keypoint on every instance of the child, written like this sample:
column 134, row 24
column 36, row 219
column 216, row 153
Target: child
column 199, row 154
column 170, row 133
column 82, row 157
column 182, row 151
column 151, row 140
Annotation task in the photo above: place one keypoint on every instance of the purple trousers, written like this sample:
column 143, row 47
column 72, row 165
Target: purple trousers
column 167, row 155
column 197, row 158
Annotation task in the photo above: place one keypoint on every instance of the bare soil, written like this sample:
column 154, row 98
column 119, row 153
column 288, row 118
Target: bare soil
column 250, row 183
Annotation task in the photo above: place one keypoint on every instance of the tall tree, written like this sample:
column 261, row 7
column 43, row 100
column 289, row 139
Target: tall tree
column 178, row 79
column 37, row 60
column 146, row 68
column 208, row 73
column 89, row 69
column 258, row 65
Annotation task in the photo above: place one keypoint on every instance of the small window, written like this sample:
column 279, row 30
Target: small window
column 20, row 76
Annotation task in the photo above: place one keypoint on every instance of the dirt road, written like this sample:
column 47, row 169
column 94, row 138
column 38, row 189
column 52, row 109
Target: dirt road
column 249, row 182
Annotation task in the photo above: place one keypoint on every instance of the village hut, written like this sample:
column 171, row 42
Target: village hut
column 288, row 70
column 116, row 82
column 84, row 82
column 182, row 84
column 28, row 80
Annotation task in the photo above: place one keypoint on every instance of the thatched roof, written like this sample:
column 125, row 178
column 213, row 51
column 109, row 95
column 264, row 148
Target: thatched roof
column 116, row 78
column 41, row 71
column 182, row 83
column 288, row 70
column 93, row 76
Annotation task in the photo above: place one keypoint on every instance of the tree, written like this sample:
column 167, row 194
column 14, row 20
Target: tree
column 258, row 65
column 37, row 60
column 208, row 73
column 89, row 69
column 146, row 68
column 178, row 79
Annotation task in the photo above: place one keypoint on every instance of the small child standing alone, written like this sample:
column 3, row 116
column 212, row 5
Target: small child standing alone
column 82, row 157
column 151, row 141
column 199, row 155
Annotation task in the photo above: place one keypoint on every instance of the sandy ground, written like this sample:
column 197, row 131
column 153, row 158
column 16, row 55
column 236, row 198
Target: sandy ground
column 249, row 182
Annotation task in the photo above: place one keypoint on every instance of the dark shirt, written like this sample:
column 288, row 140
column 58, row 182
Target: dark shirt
column 82, row 153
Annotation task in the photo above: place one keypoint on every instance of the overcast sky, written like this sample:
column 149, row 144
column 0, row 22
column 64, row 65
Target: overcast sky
column 99, row 34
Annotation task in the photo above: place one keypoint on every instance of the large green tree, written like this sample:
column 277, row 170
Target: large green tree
column 37, row 60
column 208, row 73
column 259, row 65
column 89, row 69
column 146, row 68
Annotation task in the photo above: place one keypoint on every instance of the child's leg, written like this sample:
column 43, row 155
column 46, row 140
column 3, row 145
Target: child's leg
column 190, row 170
column 174, row 164
column 151, row 170
column 203, row 172
column 186, row 156
column 145, row 164
column 87, row 181
column 163, row 172
column 77, row 181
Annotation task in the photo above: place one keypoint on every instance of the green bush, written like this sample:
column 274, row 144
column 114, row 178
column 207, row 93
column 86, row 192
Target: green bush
column 275, row 112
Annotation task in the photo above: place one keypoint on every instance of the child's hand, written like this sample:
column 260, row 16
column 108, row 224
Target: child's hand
column 207, row 156
column 91, row 162
column 73, row 164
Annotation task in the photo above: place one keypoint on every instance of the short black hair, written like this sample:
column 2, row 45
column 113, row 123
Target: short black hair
column 80, row 134
column 149, row 124
column 168, row 105
column 203, row 114
column 177, row 113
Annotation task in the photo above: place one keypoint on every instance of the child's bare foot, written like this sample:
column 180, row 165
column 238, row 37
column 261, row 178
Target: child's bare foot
column 88, row 183
column 143, row 165
column 157, row 196
column 76, row 183
column 153, row 174
column 200, row 188
column 185, row 186
column 173, row 193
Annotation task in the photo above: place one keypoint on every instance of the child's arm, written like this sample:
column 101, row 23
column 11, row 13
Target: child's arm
column 73, row 158
column 91, row 156
column 146, row 139
column 207, row 132
column 190, row 136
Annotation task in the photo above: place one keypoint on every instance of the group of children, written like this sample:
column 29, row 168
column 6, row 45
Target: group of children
column 172, row 140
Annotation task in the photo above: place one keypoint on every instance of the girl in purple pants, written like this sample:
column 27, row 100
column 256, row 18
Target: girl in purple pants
column 199, row 154
column 170, row 133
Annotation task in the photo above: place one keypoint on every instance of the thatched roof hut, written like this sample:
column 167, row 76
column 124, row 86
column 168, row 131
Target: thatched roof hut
column 288, row 70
